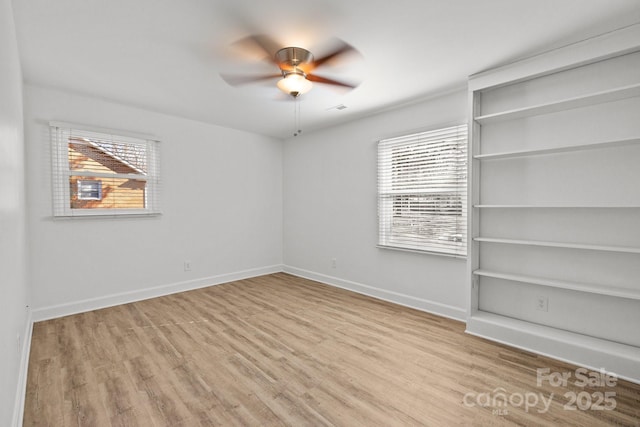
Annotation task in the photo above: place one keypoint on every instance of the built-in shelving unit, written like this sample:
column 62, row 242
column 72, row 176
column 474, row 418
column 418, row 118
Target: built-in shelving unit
column 549, row 199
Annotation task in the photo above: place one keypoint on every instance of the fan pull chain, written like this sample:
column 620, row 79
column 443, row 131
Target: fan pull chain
column 296, row 117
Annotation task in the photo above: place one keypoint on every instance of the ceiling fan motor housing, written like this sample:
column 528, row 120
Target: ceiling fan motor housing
column 290, row 58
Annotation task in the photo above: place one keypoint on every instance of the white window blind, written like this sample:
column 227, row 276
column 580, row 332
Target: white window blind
column 422, row 191
column 103, row 173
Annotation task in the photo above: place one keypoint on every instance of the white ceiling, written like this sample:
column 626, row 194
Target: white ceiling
column 167, row 55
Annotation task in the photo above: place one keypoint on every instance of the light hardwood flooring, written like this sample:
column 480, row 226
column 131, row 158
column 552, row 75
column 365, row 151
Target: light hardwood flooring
column 280, row 350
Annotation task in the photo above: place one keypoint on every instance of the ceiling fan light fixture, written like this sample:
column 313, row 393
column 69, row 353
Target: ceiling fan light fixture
column 294, row 84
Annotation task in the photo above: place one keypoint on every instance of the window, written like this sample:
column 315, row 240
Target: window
column 89, row 190
column 422, row 191
column 103, row 173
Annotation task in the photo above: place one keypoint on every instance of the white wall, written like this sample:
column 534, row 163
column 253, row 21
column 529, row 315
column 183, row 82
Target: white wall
column 221, row 200
column 13, row 280
column 330, row 211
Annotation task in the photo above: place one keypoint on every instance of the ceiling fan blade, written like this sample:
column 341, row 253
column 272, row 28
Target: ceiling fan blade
column 340, row 49
column 259, row 46
column 318, row 79
column 237, row 80
column 266, row 43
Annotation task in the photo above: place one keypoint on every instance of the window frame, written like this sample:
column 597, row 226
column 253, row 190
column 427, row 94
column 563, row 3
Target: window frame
column 453, row 171
column 61, row 173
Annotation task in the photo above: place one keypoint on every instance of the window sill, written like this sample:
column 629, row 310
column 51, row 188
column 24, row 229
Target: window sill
column 421, row 252
column 103, row 215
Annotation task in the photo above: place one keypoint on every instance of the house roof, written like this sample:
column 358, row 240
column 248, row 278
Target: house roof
column 117, row 157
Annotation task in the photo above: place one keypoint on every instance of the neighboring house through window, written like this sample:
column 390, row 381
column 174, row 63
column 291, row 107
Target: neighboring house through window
column 103, row 173
column 422, row 191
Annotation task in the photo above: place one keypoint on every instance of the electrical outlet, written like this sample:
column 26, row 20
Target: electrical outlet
column 334, row 263
column 542, row 303
column 187, row 266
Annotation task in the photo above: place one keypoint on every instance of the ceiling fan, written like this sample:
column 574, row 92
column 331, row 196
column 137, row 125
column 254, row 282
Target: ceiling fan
column 296, row 66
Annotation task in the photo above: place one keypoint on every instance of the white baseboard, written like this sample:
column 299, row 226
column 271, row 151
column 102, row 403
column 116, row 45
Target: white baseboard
column 18, row 408
column 433, row 307
column 81, row 306
column 581, row 350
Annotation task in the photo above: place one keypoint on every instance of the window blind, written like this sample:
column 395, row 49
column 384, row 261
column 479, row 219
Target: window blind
column 422, row 191
column 103, row 173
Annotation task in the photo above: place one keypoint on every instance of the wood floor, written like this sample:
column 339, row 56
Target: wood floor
column 280, row 350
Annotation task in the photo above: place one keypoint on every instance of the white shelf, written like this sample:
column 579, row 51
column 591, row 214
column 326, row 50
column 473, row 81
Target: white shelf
column 622, row 249
column 573, row 347
column 556, row 206
column 557, row 335
column 566, row 149
column 562, row 284
column 564, row 104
